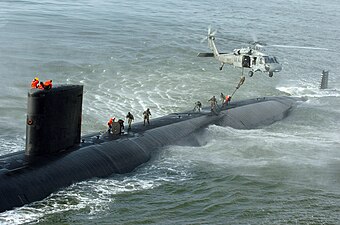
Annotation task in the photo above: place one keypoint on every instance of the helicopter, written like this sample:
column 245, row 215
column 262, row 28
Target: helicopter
column 250, row 57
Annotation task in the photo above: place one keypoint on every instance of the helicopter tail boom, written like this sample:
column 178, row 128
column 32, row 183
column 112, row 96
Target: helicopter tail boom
column 205, row 54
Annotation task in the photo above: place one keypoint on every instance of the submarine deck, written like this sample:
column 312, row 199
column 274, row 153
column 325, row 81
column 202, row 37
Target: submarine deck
column 14, row 162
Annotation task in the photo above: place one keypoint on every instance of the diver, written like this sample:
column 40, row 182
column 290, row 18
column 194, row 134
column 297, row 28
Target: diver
column 130, row 118
column 198, row 106
column 146, row 115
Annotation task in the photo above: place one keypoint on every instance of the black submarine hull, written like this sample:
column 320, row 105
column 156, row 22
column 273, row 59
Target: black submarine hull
column 23, row 180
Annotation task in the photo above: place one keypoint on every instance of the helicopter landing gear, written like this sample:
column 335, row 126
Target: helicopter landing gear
column 221, row 67
column 271, row 74
column 250, row 73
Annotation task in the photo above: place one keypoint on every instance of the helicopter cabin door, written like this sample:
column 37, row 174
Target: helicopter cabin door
column 246, row 61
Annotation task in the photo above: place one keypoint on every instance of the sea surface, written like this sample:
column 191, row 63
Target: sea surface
column 130, row 55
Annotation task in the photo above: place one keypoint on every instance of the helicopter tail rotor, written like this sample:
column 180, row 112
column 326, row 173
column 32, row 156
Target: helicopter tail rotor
column 211, row 34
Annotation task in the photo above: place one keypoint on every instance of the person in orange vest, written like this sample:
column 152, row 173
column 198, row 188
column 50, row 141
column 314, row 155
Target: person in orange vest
column 48, row 85
column 41, row 85
column 110, row 124
column 227, row 99
column 35, row 82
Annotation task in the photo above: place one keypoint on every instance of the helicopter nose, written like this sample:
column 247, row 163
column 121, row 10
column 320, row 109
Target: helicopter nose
column 274, row 67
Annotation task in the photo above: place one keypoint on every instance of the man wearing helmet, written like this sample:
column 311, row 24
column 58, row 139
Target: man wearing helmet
column 35, row 82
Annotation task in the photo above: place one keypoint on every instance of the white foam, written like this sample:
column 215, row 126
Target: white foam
column 10, row 145
column 232, row 148
column 309, row 91
column 94, row 196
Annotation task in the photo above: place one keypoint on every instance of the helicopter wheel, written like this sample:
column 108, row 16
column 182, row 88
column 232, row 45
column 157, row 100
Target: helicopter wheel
column 271, row 74
column 250, row 73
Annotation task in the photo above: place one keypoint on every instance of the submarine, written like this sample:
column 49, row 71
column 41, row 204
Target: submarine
column 56, row 155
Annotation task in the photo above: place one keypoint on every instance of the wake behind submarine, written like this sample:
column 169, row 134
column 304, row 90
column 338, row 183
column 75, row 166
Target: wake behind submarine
column 56, row 155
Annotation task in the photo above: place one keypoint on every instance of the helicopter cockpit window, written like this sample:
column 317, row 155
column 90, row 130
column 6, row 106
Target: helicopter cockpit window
column 266, row 59
column 269, row 59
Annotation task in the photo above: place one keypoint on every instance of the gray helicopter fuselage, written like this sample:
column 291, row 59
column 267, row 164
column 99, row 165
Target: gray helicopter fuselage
column 251, row 58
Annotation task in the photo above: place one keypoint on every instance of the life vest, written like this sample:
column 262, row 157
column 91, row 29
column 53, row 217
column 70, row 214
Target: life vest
column 48, row 84
column 41, row 85
column 35, row 83
column 227, row 98
column 111, row 121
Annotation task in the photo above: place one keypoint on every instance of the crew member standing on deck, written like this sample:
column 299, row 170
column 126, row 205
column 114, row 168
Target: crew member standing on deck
column 48, row 85
column 213, row 103
column 41, row 85
column 222, row 98
column 146, row 115
column 121, row 126
column 110, row 124
column 130, row 118
column 198, row 106
column 35, row 82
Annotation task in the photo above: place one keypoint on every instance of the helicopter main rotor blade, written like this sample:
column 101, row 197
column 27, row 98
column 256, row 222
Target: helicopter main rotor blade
column 301, row 47
column 210, row 32
column 254, row 37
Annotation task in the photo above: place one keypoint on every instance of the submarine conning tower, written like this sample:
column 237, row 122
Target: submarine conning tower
column 53, row 119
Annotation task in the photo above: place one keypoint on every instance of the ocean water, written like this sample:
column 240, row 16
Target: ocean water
column 130, row 55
